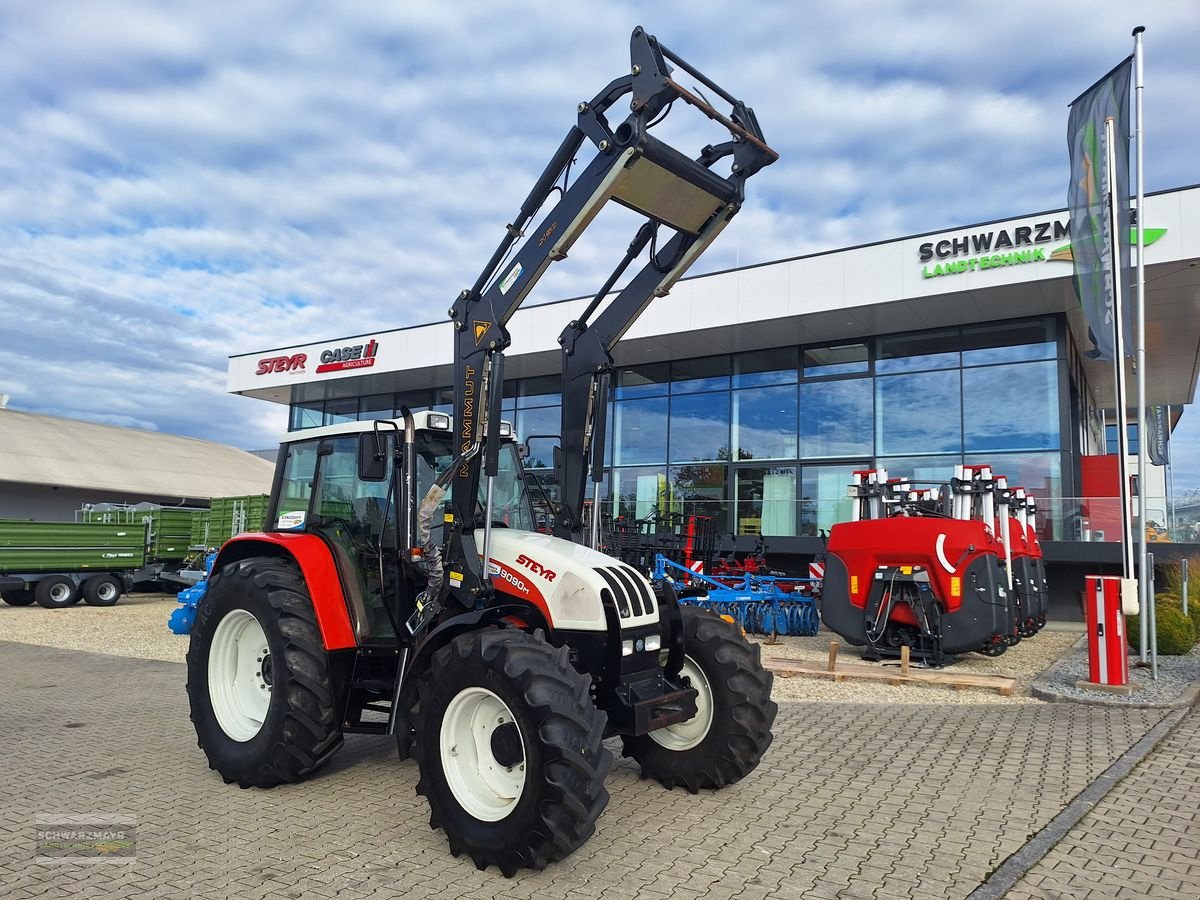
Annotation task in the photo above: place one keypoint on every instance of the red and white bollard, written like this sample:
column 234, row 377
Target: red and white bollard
column 1108, row 649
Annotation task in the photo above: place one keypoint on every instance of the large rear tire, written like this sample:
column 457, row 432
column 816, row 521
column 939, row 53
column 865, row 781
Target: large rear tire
column 261, row 718
column 731, row 730
column 510, row 749
column 18, row 597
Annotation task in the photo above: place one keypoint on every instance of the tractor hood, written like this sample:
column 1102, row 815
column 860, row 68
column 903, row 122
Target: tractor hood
column 568, row 582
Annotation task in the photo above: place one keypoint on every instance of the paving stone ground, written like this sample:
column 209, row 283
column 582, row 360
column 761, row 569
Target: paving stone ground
column 1141, row 840
column 852, row 801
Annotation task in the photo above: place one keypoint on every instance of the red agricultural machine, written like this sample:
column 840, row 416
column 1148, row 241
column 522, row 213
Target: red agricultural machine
column 945, row 570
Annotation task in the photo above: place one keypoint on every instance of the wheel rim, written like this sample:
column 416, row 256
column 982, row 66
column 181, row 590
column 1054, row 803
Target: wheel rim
column 106, row 591
column 476, row 728
column 240, row 675
column 686, row 735
column 60, row 592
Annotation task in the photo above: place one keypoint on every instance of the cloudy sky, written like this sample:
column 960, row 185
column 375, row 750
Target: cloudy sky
column 183, row 181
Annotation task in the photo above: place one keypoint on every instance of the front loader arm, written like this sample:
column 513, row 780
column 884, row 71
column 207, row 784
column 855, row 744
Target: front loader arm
column 636, row 170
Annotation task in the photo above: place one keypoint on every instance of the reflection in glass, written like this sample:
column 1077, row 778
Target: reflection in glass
column 543, row 422
column 709, row 373
column 835, row 418
column 699, row 490
column 647, row 380
column 542, row 391
column 1011, row 407
column 778, row 365
column 640, row 431
column 914, row 352
column 699, row 427
column 844, row 359
column 1008, row 342
column 764, row 423
column 339, row 411
column 924, row 470
column 918, row 413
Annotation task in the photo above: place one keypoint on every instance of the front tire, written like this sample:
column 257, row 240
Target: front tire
column 731, row 730
column 510, row 750
column 261, row 718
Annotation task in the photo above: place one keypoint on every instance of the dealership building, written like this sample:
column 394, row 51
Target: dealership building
column 751, row 395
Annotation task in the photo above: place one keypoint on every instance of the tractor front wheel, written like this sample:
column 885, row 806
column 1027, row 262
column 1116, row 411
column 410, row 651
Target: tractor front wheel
column 731, row 730
column 510, row 750
column 259, row 685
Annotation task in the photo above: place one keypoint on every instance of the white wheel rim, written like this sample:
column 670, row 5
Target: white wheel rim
column 686, row 735
column 106, row 591
column 237, row 685
column 483, row 786
column 60, row 593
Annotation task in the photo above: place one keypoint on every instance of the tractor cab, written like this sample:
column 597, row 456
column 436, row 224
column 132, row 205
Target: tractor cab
column 346, row 484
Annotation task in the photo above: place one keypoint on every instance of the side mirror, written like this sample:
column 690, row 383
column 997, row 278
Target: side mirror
column 372, row 456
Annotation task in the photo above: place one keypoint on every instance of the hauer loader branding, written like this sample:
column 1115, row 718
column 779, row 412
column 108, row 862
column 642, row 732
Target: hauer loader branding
column 336, row 359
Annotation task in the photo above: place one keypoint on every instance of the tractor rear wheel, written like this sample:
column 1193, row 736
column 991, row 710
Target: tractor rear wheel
column 731, row 730
column 259, row 685
column 510, row 750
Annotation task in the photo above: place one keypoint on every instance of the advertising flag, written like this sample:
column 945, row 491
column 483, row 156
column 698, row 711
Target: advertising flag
column 1093, row 247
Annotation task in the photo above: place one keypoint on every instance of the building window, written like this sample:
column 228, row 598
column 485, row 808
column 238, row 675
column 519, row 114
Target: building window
column 1009, row 342
column 649, row 380
column 823, row 498
column 918, row 352
column 919, row 413
column 377, row 406
column 640, row 492
column 779, row 365
column 836, row 418
column 924, row 471
column 699, row 490
column 709, row 373
column 700, row 427
column 1111, row 442
column 543, row 391
column 640, row 429
column 764, row 423
column 338, row 412
column 842, row 359
column 542, row 423
column 1013, row 407
column 766, row 500
column 306, row 415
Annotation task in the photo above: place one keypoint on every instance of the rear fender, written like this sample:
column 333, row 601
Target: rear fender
column 316, row 564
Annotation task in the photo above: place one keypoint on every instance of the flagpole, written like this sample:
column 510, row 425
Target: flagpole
column 1114, row 261
column 1145, row 622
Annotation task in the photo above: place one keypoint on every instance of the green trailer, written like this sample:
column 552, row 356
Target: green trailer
column 168, row 528
column 56, row 564
column 228, row 516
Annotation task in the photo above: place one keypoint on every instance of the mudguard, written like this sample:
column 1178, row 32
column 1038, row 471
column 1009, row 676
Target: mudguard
column 316, row 564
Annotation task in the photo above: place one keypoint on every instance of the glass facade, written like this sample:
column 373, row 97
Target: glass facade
column 765, row 441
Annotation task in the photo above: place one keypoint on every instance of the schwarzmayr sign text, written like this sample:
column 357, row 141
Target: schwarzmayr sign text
column 991, row 249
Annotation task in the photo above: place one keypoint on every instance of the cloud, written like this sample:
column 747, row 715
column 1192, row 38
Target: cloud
column 186, row 181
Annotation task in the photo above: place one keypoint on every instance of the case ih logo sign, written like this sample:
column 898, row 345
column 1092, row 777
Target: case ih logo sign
column 359, row 356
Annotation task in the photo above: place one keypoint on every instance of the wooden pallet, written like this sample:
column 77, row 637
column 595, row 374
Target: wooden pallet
column 903, row 674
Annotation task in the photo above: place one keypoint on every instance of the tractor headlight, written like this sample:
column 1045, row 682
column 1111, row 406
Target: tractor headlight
column 654, row 642
column 627, row 648
column 439, row 421
column 505, row 429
